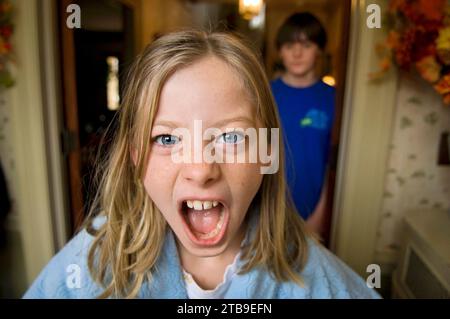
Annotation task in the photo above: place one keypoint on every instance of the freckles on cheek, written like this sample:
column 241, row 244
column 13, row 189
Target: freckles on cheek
column 160, row 170
column 153, row 171
column 245, row 176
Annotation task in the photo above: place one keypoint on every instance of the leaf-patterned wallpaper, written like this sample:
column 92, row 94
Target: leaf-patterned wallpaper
column 414, row 180
column 6, row 142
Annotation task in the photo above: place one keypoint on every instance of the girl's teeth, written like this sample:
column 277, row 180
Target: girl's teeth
column 207, row 205
column 198, row 205
column 201, row 205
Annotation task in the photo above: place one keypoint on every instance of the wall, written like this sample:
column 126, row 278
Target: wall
column 12, row 279
column 413, row 178
column 23, row 150
column 7, row 151
column 162, row 16
column 368, row 118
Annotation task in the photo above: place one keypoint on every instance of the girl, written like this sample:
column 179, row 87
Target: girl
column 166, row 229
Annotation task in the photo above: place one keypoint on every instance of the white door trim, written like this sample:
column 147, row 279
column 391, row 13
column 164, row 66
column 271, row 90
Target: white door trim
column 38, row 184
column 366, row 133
column 53, row 116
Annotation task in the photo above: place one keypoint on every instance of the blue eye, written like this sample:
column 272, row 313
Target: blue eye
column 231, row 138
column 166, row 140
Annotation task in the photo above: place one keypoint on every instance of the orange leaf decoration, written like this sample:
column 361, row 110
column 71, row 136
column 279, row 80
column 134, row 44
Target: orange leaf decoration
column 393, row 39
column 446, row 99
column 443, row 86
column 432, row 9
column 429, row 68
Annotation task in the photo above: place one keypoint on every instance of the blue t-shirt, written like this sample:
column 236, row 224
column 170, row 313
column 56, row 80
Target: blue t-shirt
column 306, row 118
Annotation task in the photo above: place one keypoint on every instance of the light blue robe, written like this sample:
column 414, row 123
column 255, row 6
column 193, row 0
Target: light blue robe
column 324, row 276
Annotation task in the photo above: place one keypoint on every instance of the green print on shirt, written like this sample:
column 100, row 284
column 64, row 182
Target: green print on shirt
column 315, row 118
column 306, row 122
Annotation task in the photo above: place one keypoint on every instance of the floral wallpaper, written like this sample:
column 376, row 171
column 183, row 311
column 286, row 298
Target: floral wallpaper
column 414, row 180
column 6, row 142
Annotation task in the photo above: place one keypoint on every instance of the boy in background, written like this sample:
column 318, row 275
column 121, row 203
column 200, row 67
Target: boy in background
column 306, row 108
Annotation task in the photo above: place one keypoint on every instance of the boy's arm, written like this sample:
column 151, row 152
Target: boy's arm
column 316, row 221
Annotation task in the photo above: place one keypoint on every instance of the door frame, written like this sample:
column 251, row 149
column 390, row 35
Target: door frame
column 337, row 125
column 39, row 183
column 367, row 124
column 53, row 117
column 70, row 135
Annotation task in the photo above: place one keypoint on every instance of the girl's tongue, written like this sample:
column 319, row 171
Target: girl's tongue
column 204, row 221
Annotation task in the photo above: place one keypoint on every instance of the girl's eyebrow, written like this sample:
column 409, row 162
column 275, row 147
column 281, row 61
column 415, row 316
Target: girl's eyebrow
column 166, row 123
column 218, row 124
column 224, row 122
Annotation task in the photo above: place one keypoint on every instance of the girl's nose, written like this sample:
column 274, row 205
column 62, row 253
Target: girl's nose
column 201, row 173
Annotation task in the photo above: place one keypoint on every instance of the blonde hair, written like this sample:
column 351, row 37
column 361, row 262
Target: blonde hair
column 126, row 247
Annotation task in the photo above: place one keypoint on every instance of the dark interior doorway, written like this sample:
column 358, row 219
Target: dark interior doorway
column 95, row 58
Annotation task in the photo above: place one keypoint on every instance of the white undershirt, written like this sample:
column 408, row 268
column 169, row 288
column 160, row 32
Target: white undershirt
column 194, row 291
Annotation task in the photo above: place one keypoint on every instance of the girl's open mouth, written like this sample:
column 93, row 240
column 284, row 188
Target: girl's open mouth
column 205, row 221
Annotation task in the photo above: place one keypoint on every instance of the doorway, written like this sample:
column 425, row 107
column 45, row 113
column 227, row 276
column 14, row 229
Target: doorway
column 95, row 58
column 335, row 17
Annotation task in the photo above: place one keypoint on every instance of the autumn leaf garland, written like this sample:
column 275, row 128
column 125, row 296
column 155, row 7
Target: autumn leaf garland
column 418, row 41
column 6, row 30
